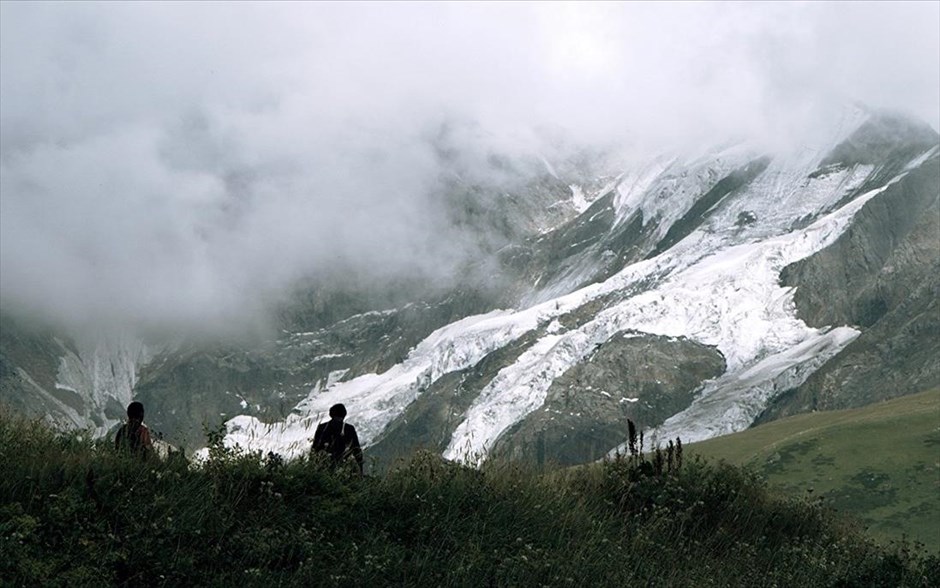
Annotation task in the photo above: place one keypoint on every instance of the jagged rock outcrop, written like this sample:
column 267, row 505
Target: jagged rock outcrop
column 632, row 376
column 73, row 382
column 882, row 275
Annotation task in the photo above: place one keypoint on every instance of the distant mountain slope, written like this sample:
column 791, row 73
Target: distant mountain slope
column 693, row 292
column 879, row 463
column 726, row 223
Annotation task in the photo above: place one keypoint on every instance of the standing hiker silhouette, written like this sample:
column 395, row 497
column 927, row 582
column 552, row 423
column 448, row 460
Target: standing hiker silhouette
column 134, row 436
column 337, row 438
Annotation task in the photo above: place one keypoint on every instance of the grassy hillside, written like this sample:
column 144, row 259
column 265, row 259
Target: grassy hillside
column 879, row 463
column 73, row 513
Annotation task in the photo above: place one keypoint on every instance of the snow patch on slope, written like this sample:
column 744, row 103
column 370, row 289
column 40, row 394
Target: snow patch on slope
column 731, row 402
column 578, row 199
column 376, row 399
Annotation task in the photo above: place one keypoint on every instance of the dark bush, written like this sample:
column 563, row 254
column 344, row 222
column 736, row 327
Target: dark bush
column 74, row 513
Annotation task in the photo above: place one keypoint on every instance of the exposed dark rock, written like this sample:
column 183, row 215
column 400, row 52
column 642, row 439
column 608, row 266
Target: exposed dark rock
column 430, row 421
column 29, row 361
column 745, row 218
column 882, row 275
column 696, row 215
column 644, row 378
column 587, row 249
column 877, row 262
column 188, row 392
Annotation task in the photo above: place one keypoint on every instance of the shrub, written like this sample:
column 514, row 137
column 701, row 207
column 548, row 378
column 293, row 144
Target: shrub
column 75, row 513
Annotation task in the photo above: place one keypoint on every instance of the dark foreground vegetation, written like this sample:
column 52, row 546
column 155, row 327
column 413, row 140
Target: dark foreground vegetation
column 73, row 513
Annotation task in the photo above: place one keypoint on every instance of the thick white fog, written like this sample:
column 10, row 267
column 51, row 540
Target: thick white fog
column 185, row 164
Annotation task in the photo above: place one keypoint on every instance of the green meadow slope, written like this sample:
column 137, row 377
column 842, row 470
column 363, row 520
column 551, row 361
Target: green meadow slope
column 75, row 513
column 880, row 464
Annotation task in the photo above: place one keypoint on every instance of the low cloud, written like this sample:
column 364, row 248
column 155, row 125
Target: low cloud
column 184, row 164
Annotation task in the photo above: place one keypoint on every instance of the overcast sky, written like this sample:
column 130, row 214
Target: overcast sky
column 185, row 163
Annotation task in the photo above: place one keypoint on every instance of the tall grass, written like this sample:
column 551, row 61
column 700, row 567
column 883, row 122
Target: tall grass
column 75, row 513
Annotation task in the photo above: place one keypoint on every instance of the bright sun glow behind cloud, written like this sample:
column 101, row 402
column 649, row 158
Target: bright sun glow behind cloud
column 581, row 51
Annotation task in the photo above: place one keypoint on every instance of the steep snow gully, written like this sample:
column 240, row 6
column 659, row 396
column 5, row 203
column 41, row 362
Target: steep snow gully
column 718, row 285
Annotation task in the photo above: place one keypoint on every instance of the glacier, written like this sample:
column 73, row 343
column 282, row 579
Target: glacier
column 718, row 286
column 729, row 299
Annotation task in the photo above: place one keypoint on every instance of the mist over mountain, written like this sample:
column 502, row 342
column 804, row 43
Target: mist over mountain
column 187, row 165
column 486, row 228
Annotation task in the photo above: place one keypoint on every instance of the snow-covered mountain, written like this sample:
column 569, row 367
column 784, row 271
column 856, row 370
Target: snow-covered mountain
column 708, row 238
column 693, row 293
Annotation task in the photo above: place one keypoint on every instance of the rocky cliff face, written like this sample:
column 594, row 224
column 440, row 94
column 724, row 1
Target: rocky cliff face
column 81, row 383
column 632, row 376
column 29, row 361
column 883, row 275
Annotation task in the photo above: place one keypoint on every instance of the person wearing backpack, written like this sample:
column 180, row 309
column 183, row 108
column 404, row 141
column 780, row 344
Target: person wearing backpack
column 134, row 436
column 338, row 439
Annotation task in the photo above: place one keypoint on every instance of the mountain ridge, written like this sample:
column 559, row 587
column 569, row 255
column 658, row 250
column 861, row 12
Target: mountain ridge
column 691, row 249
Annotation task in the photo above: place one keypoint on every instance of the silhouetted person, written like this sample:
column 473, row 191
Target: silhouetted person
column 134, row 436
column 337, row 438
